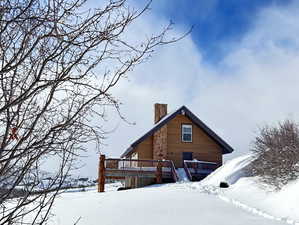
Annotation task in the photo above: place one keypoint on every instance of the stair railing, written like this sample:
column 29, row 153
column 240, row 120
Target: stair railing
column 187, row 171
column 173, row 171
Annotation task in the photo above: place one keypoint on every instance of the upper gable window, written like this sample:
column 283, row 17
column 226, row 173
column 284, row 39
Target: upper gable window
column 186, row 133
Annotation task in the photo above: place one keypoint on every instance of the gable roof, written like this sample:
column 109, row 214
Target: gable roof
column 226, row 148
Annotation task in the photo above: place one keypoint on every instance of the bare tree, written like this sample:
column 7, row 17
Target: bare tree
column 276, row 150
column 58, row 64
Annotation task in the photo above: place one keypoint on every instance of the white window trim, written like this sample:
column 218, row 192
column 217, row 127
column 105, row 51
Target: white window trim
column 182, row 131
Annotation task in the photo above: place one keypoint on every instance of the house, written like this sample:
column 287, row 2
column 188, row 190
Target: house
column 178, row 140
column 178, row 136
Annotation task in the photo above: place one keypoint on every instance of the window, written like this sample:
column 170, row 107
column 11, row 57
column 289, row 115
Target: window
column 186, row 133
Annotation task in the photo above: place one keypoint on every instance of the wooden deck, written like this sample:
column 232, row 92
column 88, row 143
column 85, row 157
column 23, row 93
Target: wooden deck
column 116, row 168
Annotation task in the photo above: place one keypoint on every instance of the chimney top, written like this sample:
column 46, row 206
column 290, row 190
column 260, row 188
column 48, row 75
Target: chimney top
column 160, row 111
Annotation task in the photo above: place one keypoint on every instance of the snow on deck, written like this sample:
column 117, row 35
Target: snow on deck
column 142, row 168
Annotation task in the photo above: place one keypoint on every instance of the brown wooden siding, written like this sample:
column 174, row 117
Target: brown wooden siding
column 145, row 149
column 202, row 146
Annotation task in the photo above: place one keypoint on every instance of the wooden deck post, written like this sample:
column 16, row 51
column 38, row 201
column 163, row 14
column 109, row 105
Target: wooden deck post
column 159, row 173
column 101, row 180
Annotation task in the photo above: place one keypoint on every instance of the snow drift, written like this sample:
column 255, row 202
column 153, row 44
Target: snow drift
column 231, row 172
column 248, row 191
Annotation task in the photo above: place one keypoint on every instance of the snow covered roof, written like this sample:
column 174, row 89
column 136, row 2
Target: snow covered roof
column 226, row 148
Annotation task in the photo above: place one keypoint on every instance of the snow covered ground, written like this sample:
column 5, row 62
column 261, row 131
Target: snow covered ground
column 204, row 203
column 248, row 193
column 173, row 204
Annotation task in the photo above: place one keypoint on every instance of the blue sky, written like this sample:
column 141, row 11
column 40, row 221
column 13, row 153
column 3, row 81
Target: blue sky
column 217, row 24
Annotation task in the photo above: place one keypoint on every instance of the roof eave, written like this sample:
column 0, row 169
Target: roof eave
column 128, row 151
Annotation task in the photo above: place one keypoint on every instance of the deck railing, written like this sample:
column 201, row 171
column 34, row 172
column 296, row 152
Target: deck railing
column 118, row 163
column 141, row 165
column 194, row 168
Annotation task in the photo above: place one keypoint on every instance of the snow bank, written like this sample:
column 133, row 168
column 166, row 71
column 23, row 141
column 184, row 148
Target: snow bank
column 288, row 200
column 230, row 172
column 246, row 190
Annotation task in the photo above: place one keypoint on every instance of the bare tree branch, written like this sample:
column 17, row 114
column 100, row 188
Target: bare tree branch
column 58, row 64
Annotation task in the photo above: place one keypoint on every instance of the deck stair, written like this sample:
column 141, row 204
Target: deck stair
column 183, row 177
column 198, row 170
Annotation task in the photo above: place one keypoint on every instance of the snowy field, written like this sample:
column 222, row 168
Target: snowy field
column 203, row 203
column 174, row 204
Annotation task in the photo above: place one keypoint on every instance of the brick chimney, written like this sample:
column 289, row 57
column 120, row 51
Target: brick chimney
column 160, row 111
column 160, row 136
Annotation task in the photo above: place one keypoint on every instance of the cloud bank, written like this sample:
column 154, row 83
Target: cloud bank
column 256, row 83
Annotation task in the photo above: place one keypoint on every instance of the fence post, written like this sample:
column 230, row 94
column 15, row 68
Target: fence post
column 159, row 173
column 101, row 180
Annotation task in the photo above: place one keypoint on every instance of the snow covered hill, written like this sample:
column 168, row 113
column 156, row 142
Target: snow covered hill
column 243, row 203
column 171, row 204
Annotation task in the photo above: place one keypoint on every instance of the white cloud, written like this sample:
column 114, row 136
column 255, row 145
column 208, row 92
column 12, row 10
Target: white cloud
column 257, row 83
